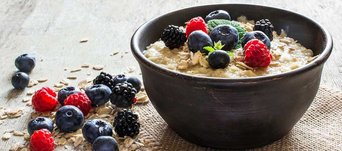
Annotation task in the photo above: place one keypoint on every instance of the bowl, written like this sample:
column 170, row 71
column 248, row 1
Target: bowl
column 233, row 113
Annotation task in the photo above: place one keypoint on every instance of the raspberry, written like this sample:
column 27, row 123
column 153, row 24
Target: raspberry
column 196, row 23
column 257, row 54
column 80, row 100
column 44, row 100
column 42, row 140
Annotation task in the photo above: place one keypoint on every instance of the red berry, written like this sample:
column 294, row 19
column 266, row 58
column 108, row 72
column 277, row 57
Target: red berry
column 42, row 140
column 135, row 100
column 44, row 100
column 80, row 100
column 196, row 23
column 257, row 54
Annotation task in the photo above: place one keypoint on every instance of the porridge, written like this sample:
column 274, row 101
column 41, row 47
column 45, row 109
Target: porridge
column 219, row 47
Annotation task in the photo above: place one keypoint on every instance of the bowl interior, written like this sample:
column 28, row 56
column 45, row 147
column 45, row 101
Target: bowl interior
column 304, row 30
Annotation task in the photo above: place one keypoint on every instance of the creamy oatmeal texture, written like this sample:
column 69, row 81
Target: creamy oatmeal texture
column 287, row 55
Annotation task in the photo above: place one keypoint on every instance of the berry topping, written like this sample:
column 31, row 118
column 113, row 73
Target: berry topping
column 40, row 123
column 94, row 128
column 120, row 78
column 65, row 92
column 25, row 63
column 135, row 82
column 194, row 24
column 197, row 40
column 106, row 79
column 256, row 35
column 42, row 140
column 80, row 100
column 105, row 143
column 217, row 58
column 69, row 118
column 257, row 54
column 44, row 100
column 126, row 123
column 265, row 26
column 218, row 14
column 98, row 94
column 20, row 80
column 227, row 34
column 173, row 37
column 123, row 95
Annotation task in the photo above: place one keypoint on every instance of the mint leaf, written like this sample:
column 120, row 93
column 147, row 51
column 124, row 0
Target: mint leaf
column 209, row 48
column 230, row 54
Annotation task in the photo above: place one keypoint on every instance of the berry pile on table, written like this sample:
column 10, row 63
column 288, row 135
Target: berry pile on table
column 73, row 113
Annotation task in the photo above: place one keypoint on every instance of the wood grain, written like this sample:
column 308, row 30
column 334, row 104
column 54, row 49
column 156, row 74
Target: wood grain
column 53, row 30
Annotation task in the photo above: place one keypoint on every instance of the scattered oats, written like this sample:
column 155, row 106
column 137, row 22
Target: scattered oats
column 4, row 116
column 26, row 136
column 142, row 98
column 18, row 133
column 32, row 83
column 98, row 67
column 84, row 40
column 14, row 113
column 42, row 80
column 71, row 77
column 25, row 100
column 30, row 92
column 130, row 69
column 85, row 66
column 29, row 104
column 75, row 70
column 82, row 84
column 114, row 53
column 6, row 136
column 103, row 110
column 128, row 142
column 58, row 85
column 65, row 82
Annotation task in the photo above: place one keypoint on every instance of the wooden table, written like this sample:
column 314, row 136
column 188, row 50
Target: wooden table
column 53, row 31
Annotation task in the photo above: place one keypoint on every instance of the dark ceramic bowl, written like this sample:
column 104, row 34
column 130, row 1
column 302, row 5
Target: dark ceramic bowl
column 233, row 113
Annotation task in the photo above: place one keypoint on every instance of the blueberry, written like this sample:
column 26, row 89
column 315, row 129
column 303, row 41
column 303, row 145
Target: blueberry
column 94, row 128
column 119, row 78
column 217, row 14
column 69, row 118
column 135, row 82
column 25, row 63
column 20, row 80
column 218, row 59
column 40, row 123
column 197, row 40
column 65, row 92
column 228, row 35
column 256, row 35
column 98, row 94
column 105, row 143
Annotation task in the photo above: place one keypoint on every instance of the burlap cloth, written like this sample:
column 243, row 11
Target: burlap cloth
column 319, row 129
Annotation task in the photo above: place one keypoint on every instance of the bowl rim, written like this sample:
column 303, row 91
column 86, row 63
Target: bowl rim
column 316, row 62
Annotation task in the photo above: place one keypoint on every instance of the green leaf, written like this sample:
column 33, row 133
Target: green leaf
column 209, row 48
column 230, row 54
column 218, row 45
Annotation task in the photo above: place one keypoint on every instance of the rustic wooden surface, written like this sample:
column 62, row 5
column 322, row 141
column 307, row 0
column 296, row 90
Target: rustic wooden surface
column 52, row 29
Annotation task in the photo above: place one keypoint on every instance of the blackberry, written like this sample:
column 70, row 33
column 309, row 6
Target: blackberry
column 123, row 95
column 106, row 79
column 173, row 36
column 265, row 26
column 126, row 123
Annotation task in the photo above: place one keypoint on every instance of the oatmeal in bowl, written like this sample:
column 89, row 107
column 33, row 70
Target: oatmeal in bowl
column 225, row 81
column 174, row 52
